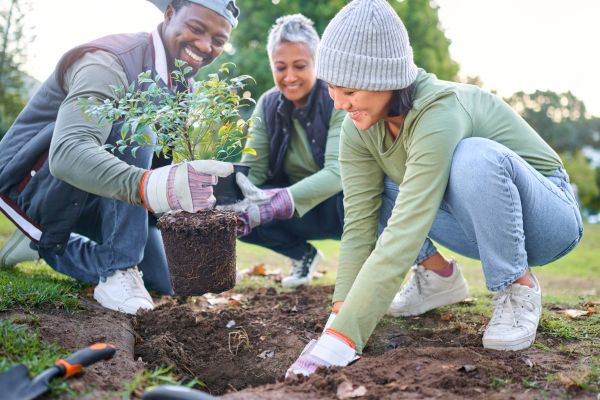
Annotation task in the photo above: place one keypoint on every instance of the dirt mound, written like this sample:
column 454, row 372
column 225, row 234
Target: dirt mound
column 242, row 349
column 232, row 347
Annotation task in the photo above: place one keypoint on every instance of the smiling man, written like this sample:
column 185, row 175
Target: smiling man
column 84, row 210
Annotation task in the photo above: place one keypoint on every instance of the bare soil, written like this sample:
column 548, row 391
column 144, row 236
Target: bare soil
column 242, row 349
column 240, row 346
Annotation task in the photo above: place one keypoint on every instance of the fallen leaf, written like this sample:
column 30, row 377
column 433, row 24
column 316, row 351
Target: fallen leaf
column 258, row 269
column 528, row 362
column 468, row 368
column 294, row 309
column 403, row 387
column 234, row 303
column 266, row 354
column 447, row 317
column 469, row 300
column 592, row 303
column 574, row 314
column 346, row 390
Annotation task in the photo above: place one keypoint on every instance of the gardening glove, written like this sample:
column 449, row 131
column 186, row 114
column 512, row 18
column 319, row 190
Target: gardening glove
column 186, row 186
column 261, row 206
column 328, row 351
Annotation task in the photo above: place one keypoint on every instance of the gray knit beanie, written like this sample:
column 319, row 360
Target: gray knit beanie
column 366, row 47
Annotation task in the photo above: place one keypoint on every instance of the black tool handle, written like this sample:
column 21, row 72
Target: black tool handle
column 73, row 364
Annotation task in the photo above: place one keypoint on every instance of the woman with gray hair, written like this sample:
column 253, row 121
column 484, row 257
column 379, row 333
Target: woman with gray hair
column 296, row 140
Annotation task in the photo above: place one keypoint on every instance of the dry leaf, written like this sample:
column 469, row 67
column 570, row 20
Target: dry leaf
column 469, row 300
column 447, row 317
column 528, row 362
column 258, row 269
column 234, row 303
column 573, row 314
column 468, row 368
column 346, row 391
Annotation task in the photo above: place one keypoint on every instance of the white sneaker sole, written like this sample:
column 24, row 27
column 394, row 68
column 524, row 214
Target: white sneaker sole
column 453, row 296
column 108, row 302
column 514, row 345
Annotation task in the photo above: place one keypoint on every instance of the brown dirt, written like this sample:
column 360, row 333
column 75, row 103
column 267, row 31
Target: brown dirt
column 425, row 357
column 200, row 251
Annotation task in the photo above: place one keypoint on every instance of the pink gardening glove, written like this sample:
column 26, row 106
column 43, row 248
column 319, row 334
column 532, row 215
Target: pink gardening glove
column 186, row 186
column 261, row 206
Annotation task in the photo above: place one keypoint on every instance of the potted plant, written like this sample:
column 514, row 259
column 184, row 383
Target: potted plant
column 202, row 121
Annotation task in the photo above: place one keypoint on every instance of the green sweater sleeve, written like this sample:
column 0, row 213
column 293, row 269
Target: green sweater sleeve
column 318, row 187
column 259, row 141
column 311, row 190
column 429, row 150
column 362, row 182
column 76, row 155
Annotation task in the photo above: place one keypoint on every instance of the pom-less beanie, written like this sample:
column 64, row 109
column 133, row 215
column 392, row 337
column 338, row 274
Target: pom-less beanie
column 366, row 47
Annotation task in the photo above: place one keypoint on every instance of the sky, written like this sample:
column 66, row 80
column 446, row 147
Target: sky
column 511, row 45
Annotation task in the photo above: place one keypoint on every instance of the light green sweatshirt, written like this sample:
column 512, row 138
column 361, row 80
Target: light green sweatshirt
column 309, row 184
column 371, row 270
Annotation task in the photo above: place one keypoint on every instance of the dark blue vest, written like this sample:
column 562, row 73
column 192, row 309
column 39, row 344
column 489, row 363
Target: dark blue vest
column 29, row 194
column 314, row 118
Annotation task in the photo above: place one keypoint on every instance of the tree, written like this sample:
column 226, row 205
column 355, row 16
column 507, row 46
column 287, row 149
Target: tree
column 583, row 176
column 13, row 43
column 560, row 118
column 249, row 39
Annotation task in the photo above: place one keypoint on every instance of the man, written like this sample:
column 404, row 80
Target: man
column 83, row 209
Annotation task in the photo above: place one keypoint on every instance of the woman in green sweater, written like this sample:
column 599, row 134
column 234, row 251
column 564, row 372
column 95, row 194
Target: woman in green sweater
column 472, row 176
column 296, row 141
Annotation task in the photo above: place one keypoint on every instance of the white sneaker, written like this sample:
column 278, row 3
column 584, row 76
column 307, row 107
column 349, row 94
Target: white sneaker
column 427, row 290
column 16, row 250
column 303, row 270
column 517, row 312
column 124, row 291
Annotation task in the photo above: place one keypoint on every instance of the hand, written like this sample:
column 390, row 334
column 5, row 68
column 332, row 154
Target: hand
column 186, row 186
column 261, row 206
column 325, row 352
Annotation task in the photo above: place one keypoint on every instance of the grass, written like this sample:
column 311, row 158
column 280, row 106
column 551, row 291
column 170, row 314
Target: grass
column 148, row 379
column 20, row 345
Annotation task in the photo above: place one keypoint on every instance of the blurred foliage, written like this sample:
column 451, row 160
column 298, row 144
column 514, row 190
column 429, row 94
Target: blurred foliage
column 560, row 118
column 583, row 176
column 249, row 39
column 13, row 43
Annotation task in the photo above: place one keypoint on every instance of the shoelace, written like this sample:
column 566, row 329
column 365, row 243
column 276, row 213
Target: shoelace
column 415, row 280
column 504, row 311
column 131, row 279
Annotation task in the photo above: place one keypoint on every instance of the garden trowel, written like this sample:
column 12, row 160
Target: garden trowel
column 16, row 385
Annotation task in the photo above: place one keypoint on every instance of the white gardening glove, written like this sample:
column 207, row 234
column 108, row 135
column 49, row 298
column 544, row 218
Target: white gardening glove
column 261, row 206
column 328, row 351
column 186, row 186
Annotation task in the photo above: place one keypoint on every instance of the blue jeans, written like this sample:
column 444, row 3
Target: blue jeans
column 112, row 235
column 500, row 210
column 290, row 237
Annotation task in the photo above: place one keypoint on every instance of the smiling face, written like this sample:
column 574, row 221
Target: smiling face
column 294, row 72
column 365, row 107
column 194, row 34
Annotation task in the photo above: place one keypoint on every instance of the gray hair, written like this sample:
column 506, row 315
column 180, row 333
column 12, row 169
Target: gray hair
column 295, row 28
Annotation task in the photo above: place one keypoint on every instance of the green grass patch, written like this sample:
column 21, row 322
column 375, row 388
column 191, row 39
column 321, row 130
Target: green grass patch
column 584, row 328
column 33, row 285
column 19, row 344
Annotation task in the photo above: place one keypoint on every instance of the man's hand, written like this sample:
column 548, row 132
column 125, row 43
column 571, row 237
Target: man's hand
column 261, row 206
column 186, row 186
